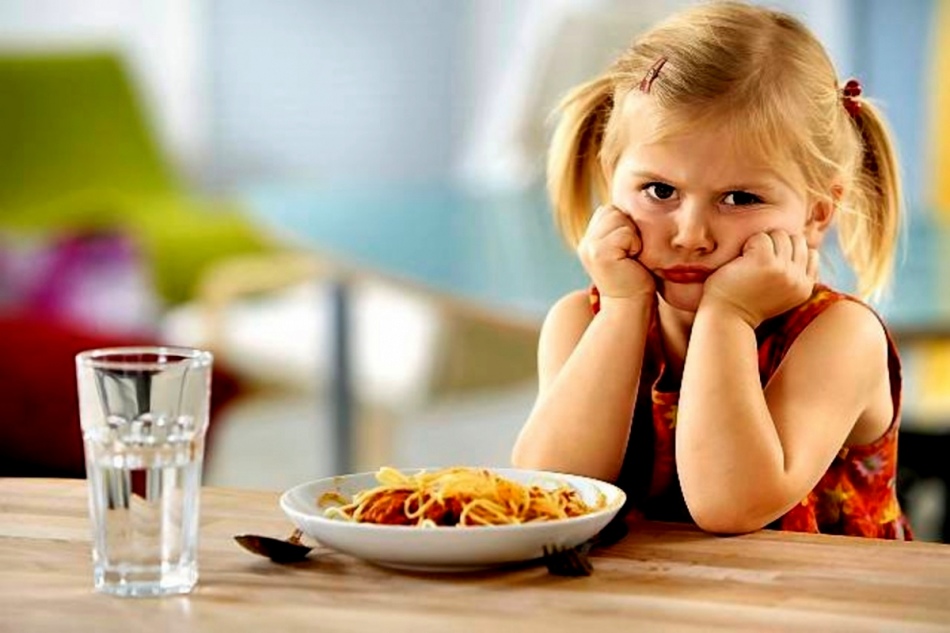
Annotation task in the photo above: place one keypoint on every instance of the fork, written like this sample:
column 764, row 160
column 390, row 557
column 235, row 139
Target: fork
column 575, row 561
column 568, row 561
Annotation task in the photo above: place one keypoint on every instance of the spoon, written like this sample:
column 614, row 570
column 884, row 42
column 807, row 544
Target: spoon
column 278, row 550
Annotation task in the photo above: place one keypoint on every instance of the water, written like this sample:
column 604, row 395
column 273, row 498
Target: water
column 144, row 482
column 144, row 413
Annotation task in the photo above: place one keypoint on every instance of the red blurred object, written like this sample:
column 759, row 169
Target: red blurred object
column 79, row 277
column 40, row 434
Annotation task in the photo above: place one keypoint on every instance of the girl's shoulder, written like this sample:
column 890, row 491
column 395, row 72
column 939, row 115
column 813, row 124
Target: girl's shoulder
column 568, row 317
column 834, row 308
column 839, row 325
column 576, row 304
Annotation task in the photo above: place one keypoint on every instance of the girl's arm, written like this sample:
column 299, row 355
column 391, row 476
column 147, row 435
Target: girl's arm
column 588, row 370
column 746, row 455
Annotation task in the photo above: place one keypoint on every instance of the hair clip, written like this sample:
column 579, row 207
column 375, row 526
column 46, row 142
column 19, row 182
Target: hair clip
column 849, row 95
column 651, row 75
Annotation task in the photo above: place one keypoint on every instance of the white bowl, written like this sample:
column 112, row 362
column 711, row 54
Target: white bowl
column 447, row 548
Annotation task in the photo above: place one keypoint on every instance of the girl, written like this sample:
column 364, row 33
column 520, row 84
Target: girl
column 706, row 371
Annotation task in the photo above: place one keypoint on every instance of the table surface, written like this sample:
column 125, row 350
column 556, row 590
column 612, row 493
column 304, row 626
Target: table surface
column 502, row 251
column 660, row 575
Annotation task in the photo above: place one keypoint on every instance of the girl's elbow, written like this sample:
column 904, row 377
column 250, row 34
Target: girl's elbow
column 726, row 526
column 725, row 519
column 728, row 508
column 532, row 455
column 518, row 459
column 532, row 460
column 521, row 457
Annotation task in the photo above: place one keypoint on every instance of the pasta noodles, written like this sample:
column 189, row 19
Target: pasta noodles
column 458, row 496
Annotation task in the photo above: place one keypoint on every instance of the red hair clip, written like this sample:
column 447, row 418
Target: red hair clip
column 849, row 95
column 651, row 75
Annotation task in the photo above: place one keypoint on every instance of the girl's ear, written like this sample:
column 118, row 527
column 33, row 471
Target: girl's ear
column 820, row 215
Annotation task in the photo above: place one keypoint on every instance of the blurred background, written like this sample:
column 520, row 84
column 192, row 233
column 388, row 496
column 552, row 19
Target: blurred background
column 344, row 202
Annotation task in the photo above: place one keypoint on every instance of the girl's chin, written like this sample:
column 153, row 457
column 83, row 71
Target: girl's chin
column 684, row 297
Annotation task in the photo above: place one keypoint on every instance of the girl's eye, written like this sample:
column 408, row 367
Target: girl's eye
column 659, row 191
column 741, row 199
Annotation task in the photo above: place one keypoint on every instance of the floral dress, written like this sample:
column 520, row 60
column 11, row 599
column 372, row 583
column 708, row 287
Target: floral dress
column 856, row 496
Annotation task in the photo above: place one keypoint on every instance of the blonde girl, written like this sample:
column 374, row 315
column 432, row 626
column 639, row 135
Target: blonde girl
column 706, row 370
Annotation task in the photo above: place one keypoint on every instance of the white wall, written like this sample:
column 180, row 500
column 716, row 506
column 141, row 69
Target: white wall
column 328, row 90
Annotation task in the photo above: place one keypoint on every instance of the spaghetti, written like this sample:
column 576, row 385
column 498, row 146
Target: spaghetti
column 458, row 496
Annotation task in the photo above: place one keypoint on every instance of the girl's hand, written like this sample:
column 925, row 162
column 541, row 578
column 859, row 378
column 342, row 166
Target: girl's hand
column 608, row 252
column 775, row 272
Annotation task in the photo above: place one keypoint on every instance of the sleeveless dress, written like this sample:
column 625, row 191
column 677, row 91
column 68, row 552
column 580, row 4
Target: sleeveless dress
column 856, row 496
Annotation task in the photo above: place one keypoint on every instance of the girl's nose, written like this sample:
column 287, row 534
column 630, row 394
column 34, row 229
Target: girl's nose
column 692, row 231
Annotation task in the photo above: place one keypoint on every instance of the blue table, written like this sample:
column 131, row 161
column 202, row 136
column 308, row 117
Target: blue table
column 502, row 253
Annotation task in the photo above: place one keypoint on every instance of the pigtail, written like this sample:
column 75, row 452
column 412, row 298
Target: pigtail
column 575, row 174
column 868, row 236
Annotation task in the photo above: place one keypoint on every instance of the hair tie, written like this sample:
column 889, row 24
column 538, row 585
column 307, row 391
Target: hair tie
column 651, row 75
column 849, row 95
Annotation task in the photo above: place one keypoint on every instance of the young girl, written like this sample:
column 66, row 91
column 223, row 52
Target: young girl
column 706, row 371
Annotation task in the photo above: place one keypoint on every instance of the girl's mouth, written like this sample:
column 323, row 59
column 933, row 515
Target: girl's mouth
column 685, row 274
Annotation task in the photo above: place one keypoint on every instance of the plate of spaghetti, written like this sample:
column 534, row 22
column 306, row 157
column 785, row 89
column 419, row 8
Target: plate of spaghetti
column 451, row 519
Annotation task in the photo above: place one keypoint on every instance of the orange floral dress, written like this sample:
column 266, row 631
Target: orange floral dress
column 856, row 496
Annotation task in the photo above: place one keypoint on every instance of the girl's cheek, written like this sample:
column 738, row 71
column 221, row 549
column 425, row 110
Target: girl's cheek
column 742, row 236
column 637, row 208
column 651, row 230
column 624, row 200
column 650, row 223
column 645, row 220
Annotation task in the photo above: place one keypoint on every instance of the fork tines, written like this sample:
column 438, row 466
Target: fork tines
column 567, row 561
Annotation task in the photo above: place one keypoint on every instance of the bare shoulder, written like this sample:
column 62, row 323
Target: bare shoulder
column 841, row 361
column 565, row 324
column 848, row 336
column 574, row 307
column 852, row 326
column 567, row 319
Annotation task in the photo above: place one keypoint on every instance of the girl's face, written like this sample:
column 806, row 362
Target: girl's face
column 696, row 199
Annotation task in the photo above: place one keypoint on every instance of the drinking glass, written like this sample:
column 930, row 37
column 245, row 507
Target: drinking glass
column 144, row 414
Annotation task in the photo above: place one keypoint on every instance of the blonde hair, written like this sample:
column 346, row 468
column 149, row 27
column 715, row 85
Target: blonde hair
column 762, row 73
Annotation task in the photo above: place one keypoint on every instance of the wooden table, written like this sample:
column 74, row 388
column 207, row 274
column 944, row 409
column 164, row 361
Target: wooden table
column 660, row 576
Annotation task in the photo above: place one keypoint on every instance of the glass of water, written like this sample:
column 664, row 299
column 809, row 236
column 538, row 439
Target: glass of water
column 144, row 414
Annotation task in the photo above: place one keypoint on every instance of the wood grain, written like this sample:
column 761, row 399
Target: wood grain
column 661, row 576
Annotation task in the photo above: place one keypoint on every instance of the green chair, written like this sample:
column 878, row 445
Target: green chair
column 77, row 153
